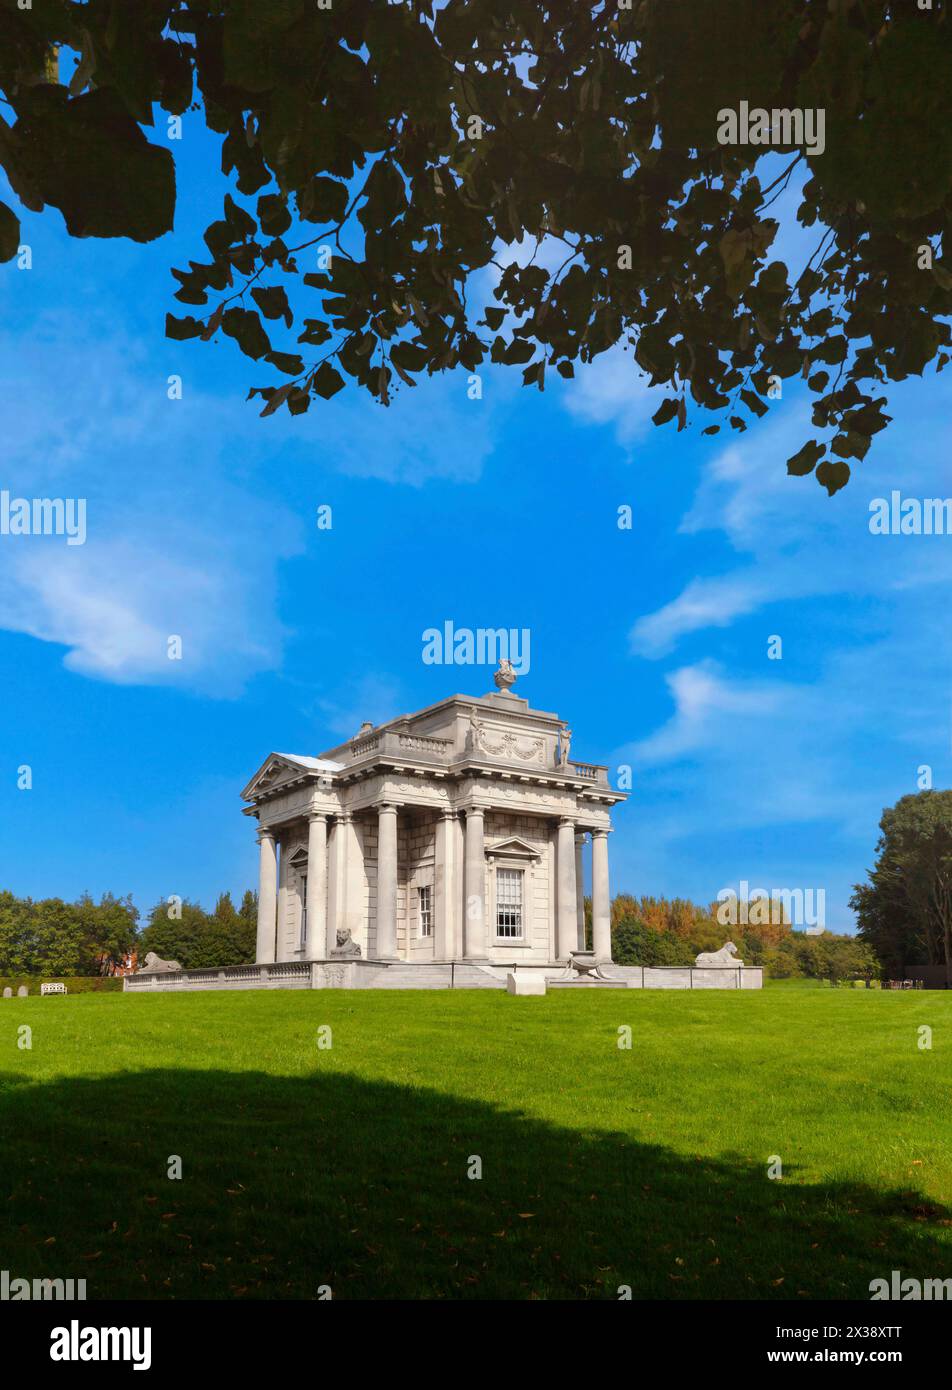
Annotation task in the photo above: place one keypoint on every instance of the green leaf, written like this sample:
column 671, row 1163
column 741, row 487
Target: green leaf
column 850, row 444
column 273, row 214
column 832, row 475
column 88, row 157
column 272, row 300
column 287, row 362
column 180, row 329
column 666, row 411
column 276, row 398
column 245, row 327
column 327, row 381
column 753, row 402
column 805, row 460
column 322, row 200
column 519, row 350
column 9, row 233
column 241, row 222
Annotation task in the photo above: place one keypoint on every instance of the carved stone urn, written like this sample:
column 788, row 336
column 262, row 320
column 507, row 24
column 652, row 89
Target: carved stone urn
column 505, row 677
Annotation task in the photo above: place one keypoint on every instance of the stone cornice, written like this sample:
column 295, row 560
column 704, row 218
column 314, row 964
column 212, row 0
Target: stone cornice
column 468, row 766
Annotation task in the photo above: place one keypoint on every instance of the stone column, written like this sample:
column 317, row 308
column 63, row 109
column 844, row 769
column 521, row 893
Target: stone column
column 316, row 884
column 284, row 949
column 601, row 897
column 386, row 882
column 580, row 889
column 474, row 873
column 566, row 933
column 337, row 879
column 444, row 892
column 267, row 897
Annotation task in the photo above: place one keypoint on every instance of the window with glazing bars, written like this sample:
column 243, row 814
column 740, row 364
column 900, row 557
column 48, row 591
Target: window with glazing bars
column 426, row 910
column 509, row 902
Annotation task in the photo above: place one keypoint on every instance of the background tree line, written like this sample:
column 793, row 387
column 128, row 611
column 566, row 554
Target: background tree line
column 52, row 937
column 904, row 912
column 661, row 931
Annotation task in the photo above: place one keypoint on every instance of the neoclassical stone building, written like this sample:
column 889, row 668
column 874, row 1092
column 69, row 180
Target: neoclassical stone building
column 453, row 834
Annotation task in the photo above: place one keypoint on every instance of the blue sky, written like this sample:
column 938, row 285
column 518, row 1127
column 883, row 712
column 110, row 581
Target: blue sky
column 501, row 512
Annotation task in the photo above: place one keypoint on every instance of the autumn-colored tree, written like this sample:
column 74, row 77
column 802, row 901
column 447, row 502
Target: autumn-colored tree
column 383, row 154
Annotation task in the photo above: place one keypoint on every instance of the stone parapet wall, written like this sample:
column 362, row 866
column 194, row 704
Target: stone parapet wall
column 689, row 976
column 371, row 974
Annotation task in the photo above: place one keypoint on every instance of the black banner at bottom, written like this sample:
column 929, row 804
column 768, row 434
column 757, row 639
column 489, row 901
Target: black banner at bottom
column 165, row 1339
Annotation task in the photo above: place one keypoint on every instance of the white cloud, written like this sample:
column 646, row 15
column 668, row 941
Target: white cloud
column 429, row 431
column 613, row 391
column 703, row 603
column 826, row 737
column 704, row 701
column 375, row 698
column 174, row 546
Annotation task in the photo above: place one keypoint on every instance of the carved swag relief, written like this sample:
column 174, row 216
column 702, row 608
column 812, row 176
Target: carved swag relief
column 508, row 746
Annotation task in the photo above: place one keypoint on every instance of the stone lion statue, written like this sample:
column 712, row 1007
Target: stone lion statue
column 346, row 945
column 157, row 965
column 727, row 955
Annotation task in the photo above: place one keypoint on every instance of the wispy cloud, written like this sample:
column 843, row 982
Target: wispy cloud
column 374, row 698
column 860, row 699
column 704, row 701
column 175, row 546
column 703, row 603
column 613, row 391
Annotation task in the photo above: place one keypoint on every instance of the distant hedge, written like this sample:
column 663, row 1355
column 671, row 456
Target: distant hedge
column 75, row 984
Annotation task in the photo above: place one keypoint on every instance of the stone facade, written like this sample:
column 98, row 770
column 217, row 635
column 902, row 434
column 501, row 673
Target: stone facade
column 453, row 834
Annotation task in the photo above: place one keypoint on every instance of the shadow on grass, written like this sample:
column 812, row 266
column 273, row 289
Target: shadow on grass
column 293, row 1183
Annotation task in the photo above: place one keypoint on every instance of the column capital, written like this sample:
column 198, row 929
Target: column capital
column 569, row 821
column 318, row 815
column 448, row 814
column 264, row 832
column 343, row 817
column 385, row 807
column 601, row 831
column 474, row 811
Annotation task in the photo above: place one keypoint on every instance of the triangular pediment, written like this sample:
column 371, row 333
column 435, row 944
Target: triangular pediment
column 279, row 768
column 513, row 847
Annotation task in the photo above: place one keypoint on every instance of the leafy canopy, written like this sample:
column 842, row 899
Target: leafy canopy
column 382, row 154
column 904, row 910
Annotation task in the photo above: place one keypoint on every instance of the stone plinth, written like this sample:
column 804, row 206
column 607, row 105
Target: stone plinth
column 520, row 982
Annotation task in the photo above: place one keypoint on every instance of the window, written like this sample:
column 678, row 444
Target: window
column 426, row 910
column 509, row 902
column 303, row 886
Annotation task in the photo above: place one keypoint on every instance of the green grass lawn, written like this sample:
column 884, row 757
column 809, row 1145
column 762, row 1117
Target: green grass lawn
column 600, row 1166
